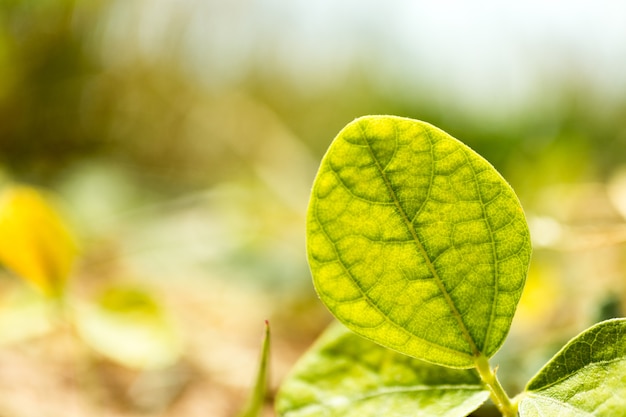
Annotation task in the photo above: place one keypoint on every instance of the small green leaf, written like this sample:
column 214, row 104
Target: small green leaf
column 129, row 326
column 344, row 375
column 587, row 377
column 257, row 398
column 416, row 242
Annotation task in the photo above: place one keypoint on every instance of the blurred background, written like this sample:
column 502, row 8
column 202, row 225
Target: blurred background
column 179, row 139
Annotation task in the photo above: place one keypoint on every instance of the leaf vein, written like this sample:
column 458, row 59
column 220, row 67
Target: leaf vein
column 420, row 247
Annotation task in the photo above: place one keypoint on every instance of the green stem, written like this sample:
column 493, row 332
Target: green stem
column 507, row 407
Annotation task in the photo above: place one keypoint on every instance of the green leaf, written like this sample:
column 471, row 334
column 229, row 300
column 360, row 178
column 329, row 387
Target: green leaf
column 344, row 375
column 587, row 377
column 416, row 242
column 257, row 398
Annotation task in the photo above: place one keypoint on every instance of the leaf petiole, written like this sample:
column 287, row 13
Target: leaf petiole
column 507, row 407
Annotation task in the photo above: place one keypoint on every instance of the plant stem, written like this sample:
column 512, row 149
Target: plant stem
column 507, row 407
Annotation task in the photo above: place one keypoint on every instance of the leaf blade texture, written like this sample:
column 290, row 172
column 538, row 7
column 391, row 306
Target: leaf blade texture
column 587, row 377
column 345, row 375
column 416, row 242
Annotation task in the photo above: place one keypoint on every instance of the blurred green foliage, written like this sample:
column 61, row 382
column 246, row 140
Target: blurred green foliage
column 45, row 70
column 70, row 91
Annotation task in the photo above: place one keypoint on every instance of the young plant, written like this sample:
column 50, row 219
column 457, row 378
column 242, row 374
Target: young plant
column 421, row 249
column 254, row 405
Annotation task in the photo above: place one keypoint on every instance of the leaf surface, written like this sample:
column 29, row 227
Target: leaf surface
column 587, row 377
column 345, row 375
column 416, row 242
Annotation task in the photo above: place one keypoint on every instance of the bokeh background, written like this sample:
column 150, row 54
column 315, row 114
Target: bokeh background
column 180, row 138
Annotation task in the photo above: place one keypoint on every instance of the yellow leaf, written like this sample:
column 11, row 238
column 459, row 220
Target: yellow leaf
column 34, row 242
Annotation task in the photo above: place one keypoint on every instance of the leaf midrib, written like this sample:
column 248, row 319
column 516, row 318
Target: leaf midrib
column 371, row 302
column 418, row 243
